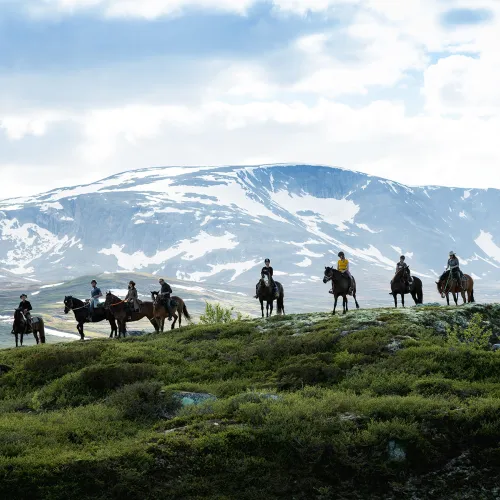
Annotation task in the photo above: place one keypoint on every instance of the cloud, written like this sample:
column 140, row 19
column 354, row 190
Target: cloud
column 378, row 86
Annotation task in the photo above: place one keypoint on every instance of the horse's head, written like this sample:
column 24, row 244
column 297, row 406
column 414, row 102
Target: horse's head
column 68, row 304
column 266, row 280
column 440, row 286
column 110, row 299
column 154, row 297
column 328, row 274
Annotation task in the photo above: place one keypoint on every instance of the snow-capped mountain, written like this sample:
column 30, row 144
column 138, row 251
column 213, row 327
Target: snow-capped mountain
column 218, row 224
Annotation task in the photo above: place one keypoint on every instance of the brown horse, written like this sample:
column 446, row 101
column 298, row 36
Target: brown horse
column 19, row 327
column 160, row 311
column 448, row 284
column 123, row 312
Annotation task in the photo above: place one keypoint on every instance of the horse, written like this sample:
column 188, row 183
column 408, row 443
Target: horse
column 448, row 284
column 122, row 312
column 340, row 286
column 19, row 327
column 399, row 287
column 81, row 310
column 161, row 312
column 266, row 293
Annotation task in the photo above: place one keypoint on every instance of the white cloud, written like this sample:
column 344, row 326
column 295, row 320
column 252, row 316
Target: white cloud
column 390, row 91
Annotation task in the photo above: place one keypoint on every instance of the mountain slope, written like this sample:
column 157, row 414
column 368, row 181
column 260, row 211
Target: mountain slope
column 218, row 224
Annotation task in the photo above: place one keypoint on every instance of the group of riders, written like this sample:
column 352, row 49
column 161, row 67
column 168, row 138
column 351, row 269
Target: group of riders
column 131, row 299
column 164, row 295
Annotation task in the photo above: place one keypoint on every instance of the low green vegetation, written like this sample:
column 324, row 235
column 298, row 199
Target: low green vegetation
column 379, row 404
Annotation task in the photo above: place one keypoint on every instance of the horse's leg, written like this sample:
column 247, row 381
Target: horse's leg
column 35, row 334
column 22, row 338
column 335, row 303
column 174, row 322
column 272, row 307
column 463, row 297
column 355, row 300
column 395, row 295
column 344, row 304
column 262, row 306
column 403, row 300
column 17, row 339
column 80, row 331
column 179, row 310
column 455, row 298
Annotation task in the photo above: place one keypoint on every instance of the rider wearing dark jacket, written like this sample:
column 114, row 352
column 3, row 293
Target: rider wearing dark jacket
column 402, row 267
column 267, row 269
column 25, row 307
column 165, row 294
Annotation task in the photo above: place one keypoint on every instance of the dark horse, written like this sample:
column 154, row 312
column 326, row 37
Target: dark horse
column 340, row 287
column 81, row 311
column 449, row 284
column 266, row 293
column 123, row 312
column 177, row 305
column 399, row 287
column 19, row 327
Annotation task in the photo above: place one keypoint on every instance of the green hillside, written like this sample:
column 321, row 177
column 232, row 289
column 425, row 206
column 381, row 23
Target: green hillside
column 380, row 403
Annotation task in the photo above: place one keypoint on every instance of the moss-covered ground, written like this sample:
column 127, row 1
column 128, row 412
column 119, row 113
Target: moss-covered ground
column 375, row 404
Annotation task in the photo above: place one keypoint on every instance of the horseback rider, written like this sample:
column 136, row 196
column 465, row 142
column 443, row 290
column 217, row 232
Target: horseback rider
column 267, row 270
column 402, row 267
column 343, row 267
column 25, row 308
column 95, row 294
column 165, row 297
column 132, row 297
column 454, row 268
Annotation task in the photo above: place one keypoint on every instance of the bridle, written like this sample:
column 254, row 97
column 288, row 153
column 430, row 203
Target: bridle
column 68, row 308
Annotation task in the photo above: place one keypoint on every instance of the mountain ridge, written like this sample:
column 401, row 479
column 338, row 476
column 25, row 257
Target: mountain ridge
column 218, row 224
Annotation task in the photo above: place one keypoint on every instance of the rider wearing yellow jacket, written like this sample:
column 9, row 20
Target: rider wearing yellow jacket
column 343, row 267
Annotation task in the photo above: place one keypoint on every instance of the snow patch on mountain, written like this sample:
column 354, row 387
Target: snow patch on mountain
column 485, row 242
column 192, row 249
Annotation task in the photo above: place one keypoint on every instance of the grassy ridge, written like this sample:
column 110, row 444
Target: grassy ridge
column 372, row 405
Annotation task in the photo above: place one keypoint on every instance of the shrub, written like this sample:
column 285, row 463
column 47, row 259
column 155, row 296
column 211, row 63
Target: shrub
column 144, row 401
column 91, row 384
column 216, row 314
column 474, row 336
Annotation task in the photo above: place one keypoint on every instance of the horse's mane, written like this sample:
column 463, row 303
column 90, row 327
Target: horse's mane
column 112, row 295
column 76, row 301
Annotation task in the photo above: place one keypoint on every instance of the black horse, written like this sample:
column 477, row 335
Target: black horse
column 401, row 285
column 81, row 312
column 266, row 293
column 20, row 327
column 340, row 287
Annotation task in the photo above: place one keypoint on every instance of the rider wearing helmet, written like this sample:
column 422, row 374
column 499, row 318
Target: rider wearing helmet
column 267, row 269
column 343, row 267
column 454, row 268
column 402, row 267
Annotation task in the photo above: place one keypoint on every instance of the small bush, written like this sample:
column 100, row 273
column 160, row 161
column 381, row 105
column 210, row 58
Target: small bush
column 474, row 336
column 144, row 401
column 91, row 384
column 216, row 314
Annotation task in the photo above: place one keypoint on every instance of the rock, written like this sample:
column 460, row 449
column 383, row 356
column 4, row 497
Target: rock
column 193, row 398
column 496, row 347
column 396, row 451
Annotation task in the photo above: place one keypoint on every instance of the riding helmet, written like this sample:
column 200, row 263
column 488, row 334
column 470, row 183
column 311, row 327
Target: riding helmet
column 341, row 254
column 23, row 295
column 402, row 257
column 452, row 254
column 267, row 260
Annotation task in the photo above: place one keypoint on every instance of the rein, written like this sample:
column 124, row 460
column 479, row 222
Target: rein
column 116, row 303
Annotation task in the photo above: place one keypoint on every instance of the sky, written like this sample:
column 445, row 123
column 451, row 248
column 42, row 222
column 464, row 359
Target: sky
column 407, row 90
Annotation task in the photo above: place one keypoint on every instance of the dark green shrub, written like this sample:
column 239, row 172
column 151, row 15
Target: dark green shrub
column 144, row 401
column 91, row 384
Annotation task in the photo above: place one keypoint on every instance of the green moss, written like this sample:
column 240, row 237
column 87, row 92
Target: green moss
column 374, row 404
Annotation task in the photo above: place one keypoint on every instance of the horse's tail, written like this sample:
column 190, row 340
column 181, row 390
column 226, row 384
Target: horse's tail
column 472, row 299
column 420, row 295
column 281, row 301
column 185, row 312
column 41, row 330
